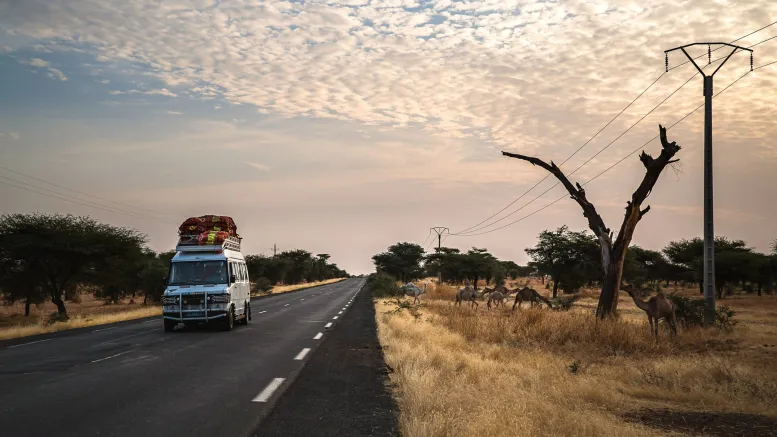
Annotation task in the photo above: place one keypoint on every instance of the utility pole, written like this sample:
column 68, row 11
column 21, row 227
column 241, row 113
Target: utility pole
column 709, row 222
column 274, row 249
column 439, row 230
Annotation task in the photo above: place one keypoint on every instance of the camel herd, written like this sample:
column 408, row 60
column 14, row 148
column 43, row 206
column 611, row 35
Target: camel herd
column 499, row 294
column 656, row 308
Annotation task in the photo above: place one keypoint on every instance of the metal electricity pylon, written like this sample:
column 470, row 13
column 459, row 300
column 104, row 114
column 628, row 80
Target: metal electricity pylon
column 709, row 222
column 439, row 230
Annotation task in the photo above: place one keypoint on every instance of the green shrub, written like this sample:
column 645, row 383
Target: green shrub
column 564, row 303
column 690, row 312
column 383, row 285
column 262, row 285
column 57, row 317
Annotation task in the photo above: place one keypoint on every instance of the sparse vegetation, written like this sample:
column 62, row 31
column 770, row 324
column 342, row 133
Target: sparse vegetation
column 690, row 312
column 383, row 285
column 535, row 372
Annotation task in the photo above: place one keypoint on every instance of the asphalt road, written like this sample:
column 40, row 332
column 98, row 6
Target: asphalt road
column 136, row 380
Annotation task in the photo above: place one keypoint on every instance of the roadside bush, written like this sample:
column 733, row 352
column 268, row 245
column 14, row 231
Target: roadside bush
column 262, row 285
column 56, row 317
column 383, row 285
column 690, row 312
column 564, row 303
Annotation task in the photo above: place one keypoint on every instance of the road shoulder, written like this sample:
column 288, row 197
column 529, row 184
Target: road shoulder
column 343, row 390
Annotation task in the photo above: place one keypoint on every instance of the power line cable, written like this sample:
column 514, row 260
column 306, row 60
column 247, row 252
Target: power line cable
column 612, row 166
column 82, row 193
column 570, row 156
column 589, row 159
column 112, row 208
column 470, row 229
column 80, row 203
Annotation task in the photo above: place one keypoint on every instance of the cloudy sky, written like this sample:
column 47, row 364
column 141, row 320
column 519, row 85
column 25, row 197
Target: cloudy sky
column 346, row 126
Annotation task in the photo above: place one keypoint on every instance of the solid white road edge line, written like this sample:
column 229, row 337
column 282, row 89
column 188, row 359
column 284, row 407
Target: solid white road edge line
column 112, row 356
column 318, row 336
column 104, row 329
column 265, row 395
column 302, row 354
column 31, row 342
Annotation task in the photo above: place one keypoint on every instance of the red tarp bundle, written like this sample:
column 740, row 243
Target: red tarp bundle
column 207, row 229
column 209, row 238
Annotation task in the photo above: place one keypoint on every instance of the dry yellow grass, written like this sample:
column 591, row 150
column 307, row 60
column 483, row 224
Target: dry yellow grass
column 278, row 289
column 537, row 372
column 79, row 321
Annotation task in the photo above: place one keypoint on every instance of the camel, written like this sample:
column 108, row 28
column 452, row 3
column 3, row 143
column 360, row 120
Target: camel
column 531, row 295
column 413, row 290
column 499, row 288
column 657, row 308
column 469, row 294
column 498, row 297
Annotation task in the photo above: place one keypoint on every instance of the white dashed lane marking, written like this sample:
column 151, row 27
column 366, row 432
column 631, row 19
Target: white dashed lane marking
column 302, row 354
column 112, row 356
column 318, row 336
column 31, row 342
column 265, row 395
column 328, row 325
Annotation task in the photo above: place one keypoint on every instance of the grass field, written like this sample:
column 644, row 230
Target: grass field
column 537, row 372
column 90, row 312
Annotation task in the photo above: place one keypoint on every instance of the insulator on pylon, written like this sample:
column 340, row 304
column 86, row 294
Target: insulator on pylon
column 667, row 61
column 709, row 54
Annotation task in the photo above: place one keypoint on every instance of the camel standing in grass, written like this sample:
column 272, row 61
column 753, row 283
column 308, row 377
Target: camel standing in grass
column 469, row 294
column 413, row 290
column 531, row 295
column 498, row 297
column 657, row 307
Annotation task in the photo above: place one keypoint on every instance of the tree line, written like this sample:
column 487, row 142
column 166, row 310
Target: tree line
column 55, row 257
column 571, row 260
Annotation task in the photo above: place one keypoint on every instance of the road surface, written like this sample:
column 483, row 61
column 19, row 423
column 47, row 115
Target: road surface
column 136, row 380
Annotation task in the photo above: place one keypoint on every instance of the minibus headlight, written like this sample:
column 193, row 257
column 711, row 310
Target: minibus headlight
column 169, row 300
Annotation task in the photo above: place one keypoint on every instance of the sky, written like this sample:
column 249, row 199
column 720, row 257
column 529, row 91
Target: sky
column 343, row 127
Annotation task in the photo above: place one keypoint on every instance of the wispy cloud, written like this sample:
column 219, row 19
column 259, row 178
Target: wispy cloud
column 160, row 92
column 520, row 74
column 258, row 166
column 175, row 112
column 10, row 135
column 52, row 72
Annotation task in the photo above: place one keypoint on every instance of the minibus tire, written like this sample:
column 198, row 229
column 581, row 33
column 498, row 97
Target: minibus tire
column 246, row 310
column 229, row 320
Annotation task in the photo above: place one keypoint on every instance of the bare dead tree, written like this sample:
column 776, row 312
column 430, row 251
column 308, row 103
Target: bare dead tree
column 614, row 253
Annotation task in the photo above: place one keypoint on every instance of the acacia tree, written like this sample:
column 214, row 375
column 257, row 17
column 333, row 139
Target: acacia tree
column 568, row 257
column 614, row 252
column 60, row 250
column 402, row 260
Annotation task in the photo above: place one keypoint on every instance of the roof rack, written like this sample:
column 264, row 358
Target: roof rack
column 188, row 243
